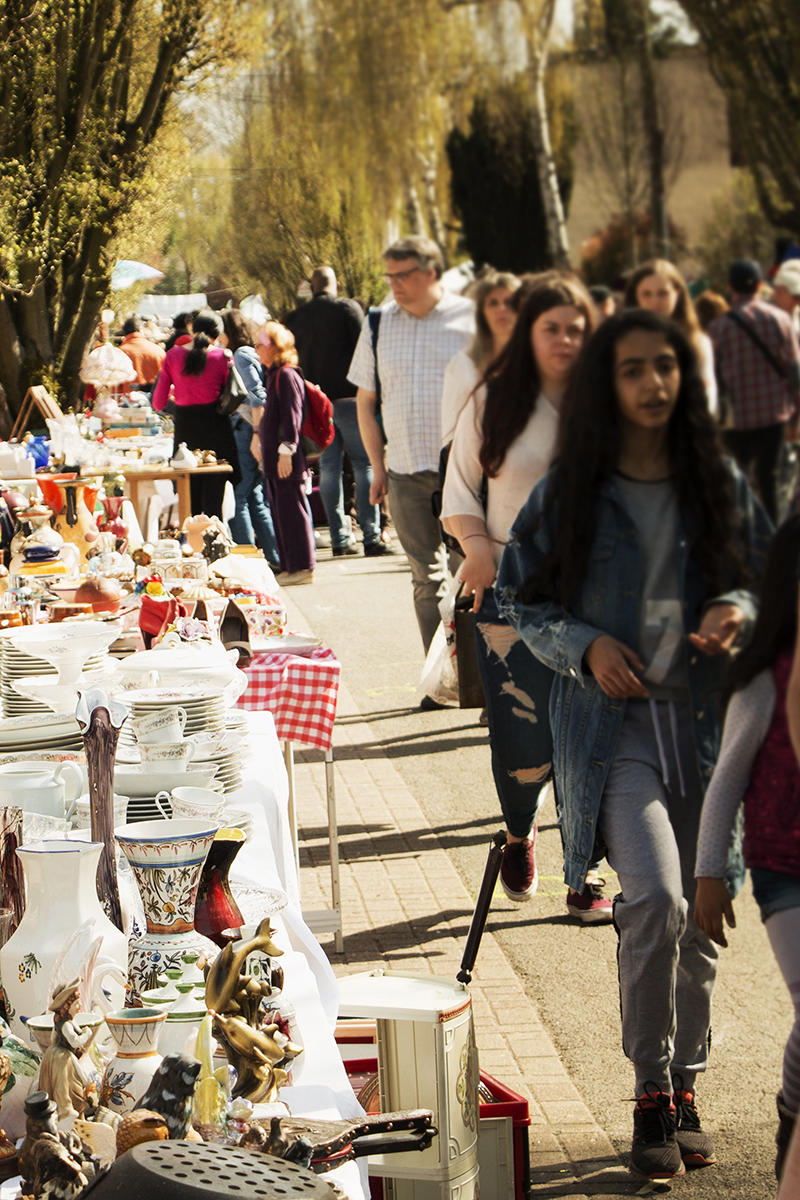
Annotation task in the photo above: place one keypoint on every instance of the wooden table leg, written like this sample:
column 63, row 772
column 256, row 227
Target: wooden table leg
column 183, row 488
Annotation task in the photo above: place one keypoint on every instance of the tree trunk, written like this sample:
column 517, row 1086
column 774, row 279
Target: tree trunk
column 416, row 221
column 537, row 27
column 654, row 134
column 432, row 203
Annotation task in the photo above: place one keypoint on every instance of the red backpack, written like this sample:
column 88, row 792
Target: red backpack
column 317, row 430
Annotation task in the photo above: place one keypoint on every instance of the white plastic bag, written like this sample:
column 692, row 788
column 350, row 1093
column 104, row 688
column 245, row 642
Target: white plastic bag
column 439, row 678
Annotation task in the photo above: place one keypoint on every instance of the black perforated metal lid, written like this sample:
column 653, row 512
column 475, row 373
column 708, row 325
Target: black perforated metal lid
column 197, row 1171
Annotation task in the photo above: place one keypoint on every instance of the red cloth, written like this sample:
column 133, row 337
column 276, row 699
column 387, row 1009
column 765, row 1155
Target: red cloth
column 772, row 799
column 299, row 690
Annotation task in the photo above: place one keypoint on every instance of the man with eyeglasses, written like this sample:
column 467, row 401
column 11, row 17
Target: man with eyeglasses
column 420, row 330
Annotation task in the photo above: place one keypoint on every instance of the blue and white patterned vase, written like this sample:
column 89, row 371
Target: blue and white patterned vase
column 166, row 858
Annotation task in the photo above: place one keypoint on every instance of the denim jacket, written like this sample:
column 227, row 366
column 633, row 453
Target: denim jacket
column 585, row 722
column 248, row 365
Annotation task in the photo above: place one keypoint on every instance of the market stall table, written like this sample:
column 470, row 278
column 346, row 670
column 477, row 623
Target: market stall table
column 301, row 692
column 180, row 476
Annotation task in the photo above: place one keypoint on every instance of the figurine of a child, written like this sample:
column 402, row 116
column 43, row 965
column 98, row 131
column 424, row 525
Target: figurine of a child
column 61, row 1074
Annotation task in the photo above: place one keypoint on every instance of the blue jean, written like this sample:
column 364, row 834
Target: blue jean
column 252, row 518
column 347, row 438
column 517, row 690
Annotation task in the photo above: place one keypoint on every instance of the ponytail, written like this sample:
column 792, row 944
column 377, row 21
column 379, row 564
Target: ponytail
column 206, row 328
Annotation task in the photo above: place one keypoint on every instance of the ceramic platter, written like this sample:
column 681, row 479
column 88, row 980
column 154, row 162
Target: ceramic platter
column 128, row 781
column 30, row 732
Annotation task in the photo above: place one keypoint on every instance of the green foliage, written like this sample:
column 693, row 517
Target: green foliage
column 737, row 228
column 753, row 51
column 495, row 181
column 84, row 89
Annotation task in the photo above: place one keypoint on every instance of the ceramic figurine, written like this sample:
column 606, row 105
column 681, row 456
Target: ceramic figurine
column 52, row 1165
column 141, row 1125
column 61, row 1074
column 258, row 1054
column 171, row 1092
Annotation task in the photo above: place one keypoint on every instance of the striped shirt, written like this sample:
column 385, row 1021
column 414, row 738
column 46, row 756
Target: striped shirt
column 412, row 355
column 759, row 396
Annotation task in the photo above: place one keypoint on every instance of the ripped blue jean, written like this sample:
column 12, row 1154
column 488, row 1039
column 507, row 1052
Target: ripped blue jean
column 517, row 689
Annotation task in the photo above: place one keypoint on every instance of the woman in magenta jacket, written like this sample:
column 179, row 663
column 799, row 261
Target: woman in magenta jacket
column 192, row 377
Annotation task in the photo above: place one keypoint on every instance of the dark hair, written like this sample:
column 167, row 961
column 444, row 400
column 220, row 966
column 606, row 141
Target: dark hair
column 427, row 253
column 512, row 379
column 206, row 328
column 775, row 627
column 179, row 322
column 587, row 453
column 239, row 329
column 132, row 325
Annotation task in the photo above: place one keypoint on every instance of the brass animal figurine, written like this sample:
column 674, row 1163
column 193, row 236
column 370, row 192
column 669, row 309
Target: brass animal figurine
column 234, row 998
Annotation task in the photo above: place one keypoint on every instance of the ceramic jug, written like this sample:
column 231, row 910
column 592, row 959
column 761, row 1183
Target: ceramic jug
column 61, row 901
column 51, row 789
column 72, row 501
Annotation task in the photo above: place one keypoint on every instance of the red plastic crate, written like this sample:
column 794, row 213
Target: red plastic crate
column 363, row 1075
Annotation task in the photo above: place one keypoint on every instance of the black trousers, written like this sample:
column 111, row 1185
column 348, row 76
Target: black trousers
column 760, row 450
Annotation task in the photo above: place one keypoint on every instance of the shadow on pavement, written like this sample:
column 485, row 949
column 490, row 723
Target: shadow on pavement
column 590, row 1177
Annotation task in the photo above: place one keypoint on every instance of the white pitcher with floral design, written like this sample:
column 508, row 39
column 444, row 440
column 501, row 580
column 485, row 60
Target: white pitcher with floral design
column 61, row 897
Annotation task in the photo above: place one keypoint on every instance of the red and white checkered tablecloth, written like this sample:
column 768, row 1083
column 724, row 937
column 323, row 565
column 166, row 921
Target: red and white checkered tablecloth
column 299, row 690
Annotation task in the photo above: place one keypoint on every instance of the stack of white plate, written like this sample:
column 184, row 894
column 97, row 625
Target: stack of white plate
column 30, row 732
column 204, row 708
column 15, row 665
column 239, row 818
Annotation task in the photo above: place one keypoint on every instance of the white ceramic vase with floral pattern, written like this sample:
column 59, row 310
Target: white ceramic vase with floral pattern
column 166, row 858
column 127, row 1077
column 61, row 901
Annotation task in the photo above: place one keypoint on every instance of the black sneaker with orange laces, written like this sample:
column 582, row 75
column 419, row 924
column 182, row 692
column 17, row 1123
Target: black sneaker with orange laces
column 695, row 1144
column 655, row 1153
column 518, row 873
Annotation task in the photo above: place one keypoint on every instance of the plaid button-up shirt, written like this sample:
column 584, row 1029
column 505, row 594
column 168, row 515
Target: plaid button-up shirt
column 412, row 355
column 759, row 395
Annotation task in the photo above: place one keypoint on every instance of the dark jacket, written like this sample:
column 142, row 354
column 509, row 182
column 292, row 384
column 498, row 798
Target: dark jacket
column 325, row 331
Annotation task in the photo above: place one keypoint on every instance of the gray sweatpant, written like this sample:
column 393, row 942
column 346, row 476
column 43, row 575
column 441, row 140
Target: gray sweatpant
column 649, row 819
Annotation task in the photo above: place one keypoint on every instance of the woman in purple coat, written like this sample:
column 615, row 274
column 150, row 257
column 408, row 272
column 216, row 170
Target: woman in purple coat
column 277, row 446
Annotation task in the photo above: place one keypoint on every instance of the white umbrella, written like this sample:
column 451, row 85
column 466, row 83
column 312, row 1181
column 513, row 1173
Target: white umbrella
column 127, row 272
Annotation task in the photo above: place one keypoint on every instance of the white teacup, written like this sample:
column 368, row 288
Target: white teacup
column 83, row 810
column 167, row 756
column 197, row 802
column 160, row 728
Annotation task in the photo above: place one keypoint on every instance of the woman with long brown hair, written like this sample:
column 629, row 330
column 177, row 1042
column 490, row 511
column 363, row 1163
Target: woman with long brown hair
column 502, row 447
column 659, row 287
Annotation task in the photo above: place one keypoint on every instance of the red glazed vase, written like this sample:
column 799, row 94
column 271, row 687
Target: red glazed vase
column 215, row 908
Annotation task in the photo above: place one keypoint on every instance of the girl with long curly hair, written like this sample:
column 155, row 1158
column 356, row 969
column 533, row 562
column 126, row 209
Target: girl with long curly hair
column 628, row 573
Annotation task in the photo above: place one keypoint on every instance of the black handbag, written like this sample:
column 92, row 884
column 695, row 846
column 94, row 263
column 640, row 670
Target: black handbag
column 470, row 685
column 234, row 393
